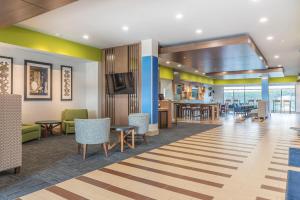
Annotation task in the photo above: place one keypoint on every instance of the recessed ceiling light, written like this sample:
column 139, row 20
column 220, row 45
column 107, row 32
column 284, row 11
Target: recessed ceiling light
column 270, row 38
column 125, row 28
column 198, row 31
column 255, row 0
column 263, row 20
column 276, row 56
column 196, row 71
column 86, row 37
column 168, row 62
column 179, row 16
column 179, row 65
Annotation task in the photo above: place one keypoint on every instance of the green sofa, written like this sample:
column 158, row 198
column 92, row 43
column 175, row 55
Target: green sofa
column 68, row 117
column 30, row 132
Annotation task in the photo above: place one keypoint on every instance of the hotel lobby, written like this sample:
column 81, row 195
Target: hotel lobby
column 144, row 100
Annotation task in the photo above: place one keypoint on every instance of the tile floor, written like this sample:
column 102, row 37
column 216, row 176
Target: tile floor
column 236, row 161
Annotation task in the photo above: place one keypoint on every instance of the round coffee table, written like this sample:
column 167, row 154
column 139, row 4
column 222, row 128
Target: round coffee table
column 48, row 125
column 124, row 131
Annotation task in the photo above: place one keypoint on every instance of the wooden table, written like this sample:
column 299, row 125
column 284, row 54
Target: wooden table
column 123, row 131
column 48, row 126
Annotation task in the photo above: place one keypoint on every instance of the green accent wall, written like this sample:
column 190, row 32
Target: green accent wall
column 35, row 40
column 185, row 76
column 166, row 73
column 237, row 81
column 286, row 79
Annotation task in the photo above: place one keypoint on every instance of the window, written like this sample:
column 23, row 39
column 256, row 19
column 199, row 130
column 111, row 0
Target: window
column 282, row 98
column 242, row 94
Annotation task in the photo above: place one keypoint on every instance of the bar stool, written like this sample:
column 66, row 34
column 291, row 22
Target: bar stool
column 204, row 110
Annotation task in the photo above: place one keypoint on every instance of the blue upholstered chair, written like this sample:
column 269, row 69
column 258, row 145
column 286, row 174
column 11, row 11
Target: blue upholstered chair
column 141, row 121
column 92, row 131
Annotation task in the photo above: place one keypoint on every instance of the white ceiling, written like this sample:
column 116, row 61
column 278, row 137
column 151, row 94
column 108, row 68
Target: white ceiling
column 102, row 20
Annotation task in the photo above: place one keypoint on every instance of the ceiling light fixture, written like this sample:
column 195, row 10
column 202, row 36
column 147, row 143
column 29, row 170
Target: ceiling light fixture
column 179, row 16
column 199, row 31
column 168, row 62
column 85, row 36
column 276, row 56
column 125, row 28
column 255, row 0
column 270, row 38
column 261, row 58
column 263, row 20
column 179, row 65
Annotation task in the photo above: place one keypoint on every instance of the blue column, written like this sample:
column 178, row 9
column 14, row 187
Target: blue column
column 150, row 81
column 265, row 89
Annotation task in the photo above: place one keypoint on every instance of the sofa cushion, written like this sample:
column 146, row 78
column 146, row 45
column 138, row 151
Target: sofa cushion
column 71, row 114
column 26, row 128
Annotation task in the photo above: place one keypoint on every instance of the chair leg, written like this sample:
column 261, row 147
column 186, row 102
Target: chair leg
column 105, row 149
column 145, row 139
column 84, row 148
column 79, row 148
column 17, row 170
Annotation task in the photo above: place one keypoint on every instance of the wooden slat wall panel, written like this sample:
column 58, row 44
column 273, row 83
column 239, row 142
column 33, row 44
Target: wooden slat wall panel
column 118, row 60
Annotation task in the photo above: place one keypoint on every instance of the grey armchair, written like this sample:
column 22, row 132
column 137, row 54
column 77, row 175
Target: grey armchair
column 92, row 131
column 141, row 122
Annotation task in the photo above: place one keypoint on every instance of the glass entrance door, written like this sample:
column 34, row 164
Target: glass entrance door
column 282, row 98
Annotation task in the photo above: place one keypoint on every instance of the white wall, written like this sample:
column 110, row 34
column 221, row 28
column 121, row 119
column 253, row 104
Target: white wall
column 85, row 84
column 298, row 97
column 166, row 88
column 219, row 93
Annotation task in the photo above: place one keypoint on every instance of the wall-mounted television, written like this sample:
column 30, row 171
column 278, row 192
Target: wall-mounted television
column 120, row 83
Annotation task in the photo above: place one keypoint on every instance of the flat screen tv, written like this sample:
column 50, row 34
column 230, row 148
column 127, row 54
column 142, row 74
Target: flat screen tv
column 120, row 83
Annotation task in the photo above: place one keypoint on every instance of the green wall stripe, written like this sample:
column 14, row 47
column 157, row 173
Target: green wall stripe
column 166, row 72
column 237, row 81
column 35, row 40
column 185, row 76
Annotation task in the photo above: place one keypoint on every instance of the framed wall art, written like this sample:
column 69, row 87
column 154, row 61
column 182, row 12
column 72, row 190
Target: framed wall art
column 37, row 81
column 66, row 83
column 6, row 75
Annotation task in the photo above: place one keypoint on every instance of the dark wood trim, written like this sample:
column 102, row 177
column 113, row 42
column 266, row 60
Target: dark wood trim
column 12, row 73
column 25, row 81
column 61, row 83
column 242, row 39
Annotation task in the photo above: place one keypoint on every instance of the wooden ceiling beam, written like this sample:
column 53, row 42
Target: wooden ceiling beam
column 14, row 11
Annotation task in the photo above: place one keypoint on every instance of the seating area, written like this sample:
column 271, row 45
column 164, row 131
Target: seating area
column 137, row 99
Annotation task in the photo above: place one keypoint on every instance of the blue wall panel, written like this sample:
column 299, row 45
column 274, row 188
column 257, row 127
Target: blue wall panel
column 150, row 87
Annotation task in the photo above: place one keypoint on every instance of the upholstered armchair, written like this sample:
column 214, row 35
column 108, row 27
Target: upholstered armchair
column 68, row 117
column 141, row 122
column 92, row 131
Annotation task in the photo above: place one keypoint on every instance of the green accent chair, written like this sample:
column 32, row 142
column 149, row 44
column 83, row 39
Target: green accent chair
column 30, row 132
column 68, row 117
